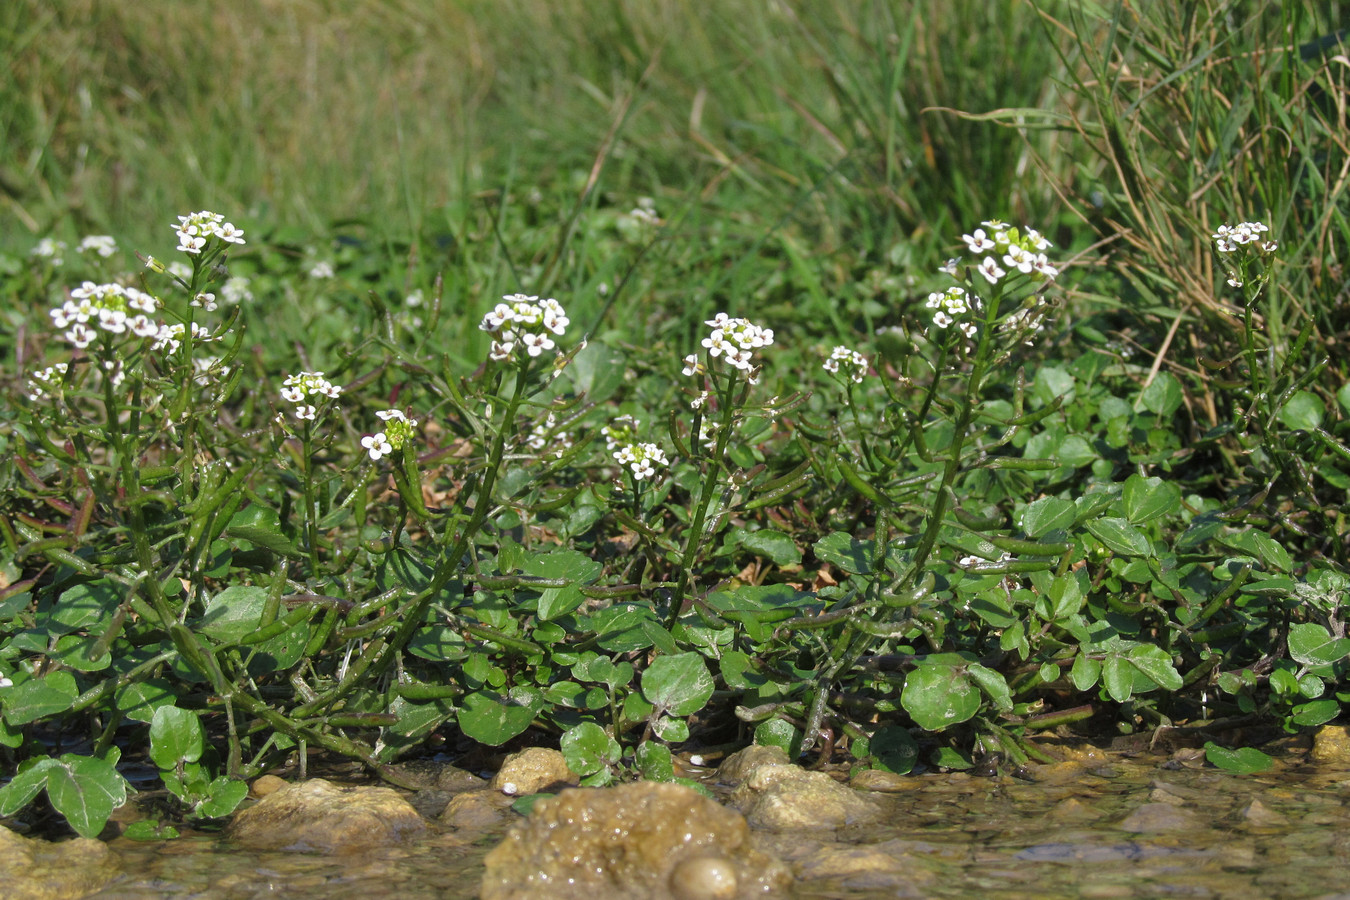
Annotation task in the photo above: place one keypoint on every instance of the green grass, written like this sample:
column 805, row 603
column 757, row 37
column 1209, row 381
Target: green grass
column 1126, row 520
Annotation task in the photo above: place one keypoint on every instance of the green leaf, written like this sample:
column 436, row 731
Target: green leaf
column 1047, row 514
column 1118, row 678
column 490, row 718
column 1148, row 498
column 670, row 729
column 937, row 695
column 1085, row 671
column 176, row 735
column 1156, row 664
column 1312, row 645
column 1316, row 712
column 680, row 684
column 139, row 700
column 261, row 526
column 620, row 628
column 893, row 750
column 86, row 790
column 773, row 545
column 149, row 830
column 781, row 733
column 1120, row 536
column 1162, row 397
column 993, row 685
column 655, row 762
column 846, row 552
column 1303, row 412
column 24, row 786
column 75, row 651
column 85, row 607
column 37, row 698
column 438, row 643
column 1243, row 761
column 233, row 614
column 225, row 796
column 588, row 749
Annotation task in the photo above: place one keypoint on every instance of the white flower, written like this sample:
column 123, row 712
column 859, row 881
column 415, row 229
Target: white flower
column 321, row 270
column 1018, row 258
column 378, row 445
column 856, row 362
column 978, row 242
column 990, row 270
column 81, row 335
column 101, row 244
column 691, row 366
column 236, row 290
column 50, row 249
column 949, row 267
column 305, row 412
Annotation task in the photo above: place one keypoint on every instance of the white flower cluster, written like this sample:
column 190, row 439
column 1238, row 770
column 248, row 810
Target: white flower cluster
column 734, row 340
column 171, row 336
column 1022, row 250
column 236, row 290
column 196, row 229
column 523, row 321
column 45, row 383
column 298, row 389
column 1229, row 238
column 639, row 458
column 397, row 430
column 950, row 305
column 50, row 249
column 621, row 441
column 540, row 436
column 855, row 362
column 113, row 308
column 102, row 244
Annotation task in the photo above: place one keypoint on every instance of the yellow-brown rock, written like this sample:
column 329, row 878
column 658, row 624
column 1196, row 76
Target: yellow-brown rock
column 645, row 841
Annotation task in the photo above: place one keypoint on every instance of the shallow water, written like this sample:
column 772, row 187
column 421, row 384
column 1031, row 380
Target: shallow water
column 1096, row 827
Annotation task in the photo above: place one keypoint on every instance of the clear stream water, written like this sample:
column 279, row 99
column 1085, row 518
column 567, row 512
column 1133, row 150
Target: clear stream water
column 1101, row 826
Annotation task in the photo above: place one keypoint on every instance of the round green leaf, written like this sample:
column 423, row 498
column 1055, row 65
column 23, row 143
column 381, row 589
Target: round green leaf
column 893, row 750
column 176, row 735
column 1303, row 412
column 1120, row 536
column 679, row 684
column 139, row 700
column 234, row 613
column 85, row 789
column 1162, row 396
column 492, row 719
column 1312, row 645
column 937, row 695
column 37, row 698
column 85, row 607
column 654, row 761
column 588, row 749
column 773, row 545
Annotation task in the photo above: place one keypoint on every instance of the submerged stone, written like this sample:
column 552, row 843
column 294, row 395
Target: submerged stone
column 32, row 869
column 738, row 766
column 1152, row 818
column 318, row 816
column 645, row 841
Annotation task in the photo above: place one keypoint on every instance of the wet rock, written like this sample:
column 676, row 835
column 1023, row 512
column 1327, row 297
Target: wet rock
column 475, row 810
column 738, row 766
column 1057, row 773
column 433, row 775
column 1166, row 792
column 877, row 867
column 883, row 782
column 645, row 840
column 785, row 798
column 1331, row 746
column 1152, row 818
column 266, row 784
column 32, row 869
column 318, row 816
column 1259, row 815
column 1072, row 809
column 531, row 771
